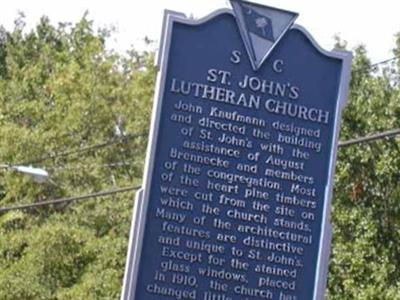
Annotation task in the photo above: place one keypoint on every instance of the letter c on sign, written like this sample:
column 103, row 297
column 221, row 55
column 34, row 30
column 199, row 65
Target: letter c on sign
column 278, row 66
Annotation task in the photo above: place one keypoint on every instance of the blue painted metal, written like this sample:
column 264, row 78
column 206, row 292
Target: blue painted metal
column 189, row 50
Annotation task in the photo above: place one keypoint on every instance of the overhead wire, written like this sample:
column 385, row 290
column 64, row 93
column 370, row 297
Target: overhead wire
column 366, row 139
column 384, row 61
column 69, row 199
column 81, row 150
column 374, row 65
column 372, row 137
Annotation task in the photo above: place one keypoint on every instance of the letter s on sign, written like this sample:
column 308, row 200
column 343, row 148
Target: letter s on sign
column 235, row 57
column 212, row 75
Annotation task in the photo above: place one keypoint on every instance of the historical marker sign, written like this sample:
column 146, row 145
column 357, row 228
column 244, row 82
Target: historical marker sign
column 239, row 172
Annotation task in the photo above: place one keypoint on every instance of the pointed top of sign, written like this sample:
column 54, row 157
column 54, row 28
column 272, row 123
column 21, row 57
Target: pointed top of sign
column 261, row 28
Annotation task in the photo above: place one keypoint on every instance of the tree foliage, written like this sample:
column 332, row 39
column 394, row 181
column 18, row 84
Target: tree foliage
column 62, row 91
column 365, row 262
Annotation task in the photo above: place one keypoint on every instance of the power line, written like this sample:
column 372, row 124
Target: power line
column 365, row 139
column 372, row 137
column 390, row 133
column 69, row 199
column 83, row 149
column 108, row 165
column 369, row 138
column 384, row 61
column 374, row 65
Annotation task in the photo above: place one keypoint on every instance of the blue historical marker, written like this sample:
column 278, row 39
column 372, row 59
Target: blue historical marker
column 237, row 187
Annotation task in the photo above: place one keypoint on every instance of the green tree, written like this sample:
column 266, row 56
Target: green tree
column 62, row 90
column 365, row 262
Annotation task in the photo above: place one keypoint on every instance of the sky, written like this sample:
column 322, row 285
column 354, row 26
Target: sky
column 372, row 23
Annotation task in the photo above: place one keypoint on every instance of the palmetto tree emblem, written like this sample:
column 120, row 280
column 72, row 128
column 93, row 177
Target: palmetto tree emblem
column 262, row 23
